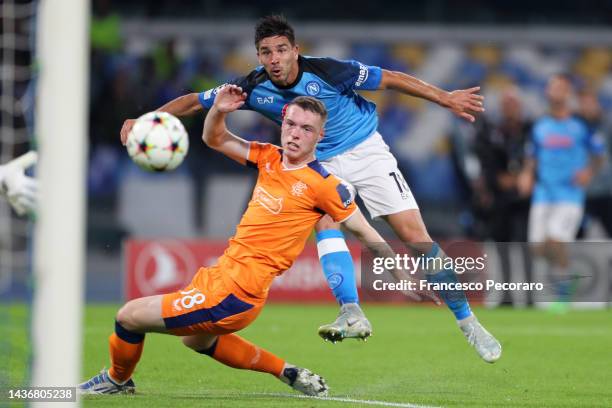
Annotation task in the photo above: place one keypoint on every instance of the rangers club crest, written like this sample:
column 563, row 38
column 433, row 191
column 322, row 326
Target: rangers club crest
column 298, row 188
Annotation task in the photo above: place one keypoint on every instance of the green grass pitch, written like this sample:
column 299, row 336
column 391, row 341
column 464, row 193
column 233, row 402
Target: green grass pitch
column 417, row 357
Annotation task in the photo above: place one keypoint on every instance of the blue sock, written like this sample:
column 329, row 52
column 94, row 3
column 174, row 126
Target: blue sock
column 454, row 299
column 337, row 265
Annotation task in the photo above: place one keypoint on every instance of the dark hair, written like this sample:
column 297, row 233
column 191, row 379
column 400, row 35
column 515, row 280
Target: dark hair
column 308, row 103
column 272, row 26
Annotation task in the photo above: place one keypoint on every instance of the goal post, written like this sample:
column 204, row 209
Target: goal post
column 62, row 53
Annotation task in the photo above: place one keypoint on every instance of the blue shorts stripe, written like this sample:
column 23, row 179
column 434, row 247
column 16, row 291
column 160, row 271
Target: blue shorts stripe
column 229, row 306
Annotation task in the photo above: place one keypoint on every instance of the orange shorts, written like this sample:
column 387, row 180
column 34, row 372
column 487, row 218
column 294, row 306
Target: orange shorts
column 210, row 304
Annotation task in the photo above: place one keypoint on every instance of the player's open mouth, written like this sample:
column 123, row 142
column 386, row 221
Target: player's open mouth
column 292, row 146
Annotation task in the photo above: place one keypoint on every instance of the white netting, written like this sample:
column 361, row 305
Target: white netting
column 16, row 107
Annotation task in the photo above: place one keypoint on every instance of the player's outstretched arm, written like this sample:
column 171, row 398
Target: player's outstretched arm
column 462, row 102
column 20, row 190
column 215, row 135
column 379, row 248
column 185, row 105
column 364, row 232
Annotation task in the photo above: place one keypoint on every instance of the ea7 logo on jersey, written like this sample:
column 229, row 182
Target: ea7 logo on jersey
column 313, row 88
column 265, row 100
column 363, row 75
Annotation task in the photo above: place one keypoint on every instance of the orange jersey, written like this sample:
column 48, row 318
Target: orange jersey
column 283, row 210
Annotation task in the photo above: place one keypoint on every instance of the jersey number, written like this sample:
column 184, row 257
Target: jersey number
column 402, row 186
column 188, row 301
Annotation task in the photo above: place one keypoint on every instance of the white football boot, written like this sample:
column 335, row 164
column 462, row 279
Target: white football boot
column 102, row 384
column 305, row 381
column 350, row 323
column 487, row 346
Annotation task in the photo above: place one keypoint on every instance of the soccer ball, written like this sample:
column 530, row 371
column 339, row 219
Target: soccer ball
column 158, row 142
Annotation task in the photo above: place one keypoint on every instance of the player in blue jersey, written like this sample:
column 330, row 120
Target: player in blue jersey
column 353, row 150
column 564, row 156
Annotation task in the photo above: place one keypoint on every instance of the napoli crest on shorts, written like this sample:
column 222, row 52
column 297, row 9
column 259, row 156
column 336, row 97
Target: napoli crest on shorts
column 313, row 88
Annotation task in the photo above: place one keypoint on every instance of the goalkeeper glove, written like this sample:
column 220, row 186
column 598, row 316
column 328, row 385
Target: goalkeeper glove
column 20, row 190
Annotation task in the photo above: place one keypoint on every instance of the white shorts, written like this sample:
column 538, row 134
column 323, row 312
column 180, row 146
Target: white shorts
column 558, row 221
column 371, row 170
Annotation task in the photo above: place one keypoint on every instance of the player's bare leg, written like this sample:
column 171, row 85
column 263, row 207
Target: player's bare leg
column 408, row 225
column 410, row 228
column 143, row 315
column 236, row 352
column 337, row 265
column 133, row 320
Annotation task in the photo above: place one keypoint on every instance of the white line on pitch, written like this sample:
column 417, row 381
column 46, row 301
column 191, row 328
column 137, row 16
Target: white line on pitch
column 348, row 400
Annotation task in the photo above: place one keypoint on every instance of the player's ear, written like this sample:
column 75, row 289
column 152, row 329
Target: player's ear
column 284, row 112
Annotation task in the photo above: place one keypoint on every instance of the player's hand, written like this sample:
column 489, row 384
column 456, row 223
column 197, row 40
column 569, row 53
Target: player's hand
column 583, row 177
column 229, row 98
column 125, row 130
column 20, row 190
column 416, row 294
column 524, row 183
column 422, row 295
column 464, row 102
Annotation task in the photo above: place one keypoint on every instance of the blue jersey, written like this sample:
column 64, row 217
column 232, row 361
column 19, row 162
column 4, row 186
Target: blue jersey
column 351, row 118
column 561, row 148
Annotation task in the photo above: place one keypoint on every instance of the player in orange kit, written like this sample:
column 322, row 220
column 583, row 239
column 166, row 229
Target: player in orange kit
column 292, row 193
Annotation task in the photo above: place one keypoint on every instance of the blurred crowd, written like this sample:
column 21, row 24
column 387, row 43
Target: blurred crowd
column 497, row 153
column 467, row 171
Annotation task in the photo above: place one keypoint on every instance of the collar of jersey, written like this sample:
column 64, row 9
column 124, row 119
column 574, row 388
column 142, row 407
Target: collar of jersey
column 297, row 79
column 285, row 168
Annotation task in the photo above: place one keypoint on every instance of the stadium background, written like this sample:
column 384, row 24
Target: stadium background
column 145, row 53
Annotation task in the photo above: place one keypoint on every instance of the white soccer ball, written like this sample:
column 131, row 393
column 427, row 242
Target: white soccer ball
column 158, row 142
